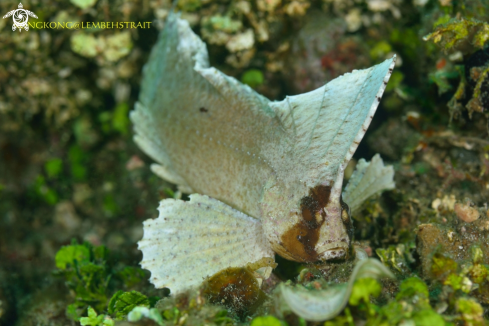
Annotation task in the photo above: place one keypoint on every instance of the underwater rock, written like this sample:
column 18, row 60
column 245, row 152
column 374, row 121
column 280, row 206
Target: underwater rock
column 466, row 213
column 236, row 289
column 472, row 312
column 463, row 35
column 66, row 216
column 109, row 48
column 457, row 244
column 242, row 41
column 392, row 138
column 320, row 51
column 318, row 305
column 191, row 308
column 46, row 308
column 445, row 203
column 477, row 76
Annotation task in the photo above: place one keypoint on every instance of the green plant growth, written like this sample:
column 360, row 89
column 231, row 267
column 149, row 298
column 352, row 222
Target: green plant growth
column 87, row 275
column 91, row 279
column 460, row 34
column 253, row 78
column 117, row 121
column 467, row 37
column 44, row 191
column 123, row 303
column 410, row 306
column 53, row 167
column 266, row 321
column 77, row 159
column 96, row 320
column 460, row 292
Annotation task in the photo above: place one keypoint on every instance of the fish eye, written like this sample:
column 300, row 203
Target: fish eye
column 345, row 212
column 345, row 215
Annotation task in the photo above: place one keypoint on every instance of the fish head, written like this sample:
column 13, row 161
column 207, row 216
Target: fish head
column 308, row 228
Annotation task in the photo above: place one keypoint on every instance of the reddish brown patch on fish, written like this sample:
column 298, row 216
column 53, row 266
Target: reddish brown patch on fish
column 300, row 241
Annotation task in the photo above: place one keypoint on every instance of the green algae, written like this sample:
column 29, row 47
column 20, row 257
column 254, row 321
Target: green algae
column 253, row 78
column 83, row 4
column 412, row 287
column 266, row 321
column 53, row 167
column 457, row 34
column 122, row 303
column 90, row 276
column 95, row 320
column 411, row 305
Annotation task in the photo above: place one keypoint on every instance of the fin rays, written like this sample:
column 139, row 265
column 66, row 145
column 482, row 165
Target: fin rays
column 192, row 240
column 368, row 179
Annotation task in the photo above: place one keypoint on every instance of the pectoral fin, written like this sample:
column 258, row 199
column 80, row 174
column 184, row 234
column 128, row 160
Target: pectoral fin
column 368, row 179
column 191, row 240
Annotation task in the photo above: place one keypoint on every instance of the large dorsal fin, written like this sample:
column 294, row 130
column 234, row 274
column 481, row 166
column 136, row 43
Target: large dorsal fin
column 214, row 135
column 327, row 124
column 235, row 93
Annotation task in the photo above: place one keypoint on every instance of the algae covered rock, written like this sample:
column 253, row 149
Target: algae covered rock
column 433, row 238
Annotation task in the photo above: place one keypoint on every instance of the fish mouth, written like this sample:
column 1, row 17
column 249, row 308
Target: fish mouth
column 339, row 252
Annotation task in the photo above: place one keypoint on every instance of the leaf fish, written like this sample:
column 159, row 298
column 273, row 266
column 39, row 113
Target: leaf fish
column 265, row 176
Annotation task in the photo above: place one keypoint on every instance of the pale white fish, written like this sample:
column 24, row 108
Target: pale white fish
column 273, row 171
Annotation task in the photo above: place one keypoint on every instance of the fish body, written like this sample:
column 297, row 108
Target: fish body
column 270, row 174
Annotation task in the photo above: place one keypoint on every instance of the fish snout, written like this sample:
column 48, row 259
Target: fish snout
column 339, row 252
